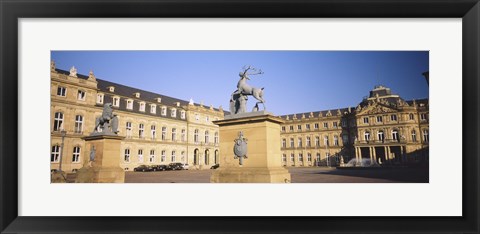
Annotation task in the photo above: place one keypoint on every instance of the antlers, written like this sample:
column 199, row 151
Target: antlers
column 254, row 70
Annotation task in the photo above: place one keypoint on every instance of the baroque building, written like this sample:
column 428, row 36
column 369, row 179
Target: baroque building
column 159, row 129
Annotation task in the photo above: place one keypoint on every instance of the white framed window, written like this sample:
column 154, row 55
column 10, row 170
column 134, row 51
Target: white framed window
column 317, row 141
column 379, row 119
column 116, row 101
column 326, row 141
column 153, row 130
column 130, row 104
column 153, row 108
column 141, row 130
column 173, row 158
column 300, row 142
column 173, row 113
column 284, row 143
column 335, row 140
column 195, row 136
column 395, row 135
column 61, row 91
column 380, row 136
column 292, row 143
column 174, row 134
column 309, row 157
column 183, row 135
column 100, row 97
column 299, row 127
column 182, row 114
column 414, row 136
column 216, row 138
column 126, row 155
column 141, row 106
column 423, row 116
column 78, row 124
column 81, row 95
column 411, row 116
column 284, row 158
column 207, row 137
column 393, row 117
column 140, row 155
column 55, row 154
column 315, row 126
column 128, row 129
column 283, row 128
column 365, row 120
column 292, row 157
column 335, row 124
column 76, row 154
column 111, row 89
column 163, row 156
column 425, row 135
column 164, row 133
column 164, row 111
column 300, row 157
column 291, row 128
column 152, row 156
column 307, row 126
column 58, row 121
column 325, row 125
column 366, row 136
column 318, row 157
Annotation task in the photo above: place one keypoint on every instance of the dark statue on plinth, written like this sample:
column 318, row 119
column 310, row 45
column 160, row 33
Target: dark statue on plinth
column 238, row 99
column 108, row 122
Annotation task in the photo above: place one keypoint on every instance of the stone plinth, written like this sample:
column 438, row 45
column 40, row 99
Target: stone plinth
column 263, row 164
column 106, row 166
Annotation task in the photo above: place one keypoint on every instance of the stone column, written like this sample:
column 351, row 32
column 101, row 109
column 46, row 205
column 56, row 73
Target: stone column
column 374, row 154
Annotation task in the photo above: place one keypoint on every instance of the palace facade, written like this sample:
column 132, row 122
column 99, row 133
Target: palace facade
column 159, row 129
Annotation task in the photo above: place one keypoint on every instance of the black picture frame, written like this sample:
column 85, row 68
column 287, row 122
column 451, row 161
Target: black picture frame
column 11, row 11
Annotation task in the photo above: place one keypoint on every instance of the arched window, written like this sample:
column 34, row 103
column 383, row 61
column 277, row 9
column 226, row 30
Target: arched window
column 58, row 121
column 76, row 154
column 55, row 154
column 78, row 124
column 195, row 157
column 207, row 157
column 216, row 157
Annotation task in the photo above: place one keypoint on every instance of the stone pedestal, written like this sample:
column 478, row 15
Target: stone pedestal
column 263, row 165
column 106, row 166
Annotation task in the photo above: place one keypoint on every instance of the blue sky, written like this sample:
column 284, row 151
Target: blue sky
column 294, row 81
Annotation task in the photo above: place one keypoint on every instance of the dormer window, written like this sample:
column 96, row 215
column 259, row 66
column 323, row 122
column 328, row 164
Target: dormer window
column 111, row 89
column 153, row 108
column 182, row 114
column 129, row 104
column 137, row 94
column 100, row 98
column 164, row 111
column 173, row 113
column 116, row 101
column 159, row 100
column 178, row 104
column 81, row 95
column 142, row 106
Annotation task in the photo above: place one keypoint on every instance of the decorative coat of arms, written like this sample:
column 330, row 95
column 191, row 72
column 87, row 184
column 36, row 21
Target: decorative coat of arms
column 240, row 148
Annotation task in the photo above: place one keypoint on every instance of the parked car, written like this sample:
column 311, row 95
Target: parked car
column 143, row 168
column 175, row 166
column 159, row 167
column 215, row 166
column 185, row 166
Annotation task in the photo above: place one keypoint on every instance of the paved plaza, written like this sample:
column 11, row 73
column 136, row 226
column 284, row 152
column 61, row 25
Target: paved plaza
column 299, row 175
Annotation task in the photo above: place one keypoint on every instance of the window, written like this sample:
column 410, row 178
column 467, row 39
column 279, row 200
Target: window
column 81, row 95
column 182, row 114
column 379, row 119
column 325, row 140
column 425, row 135
column 300, row 157
column 284, row 143
column 292, row 143
column 142, row 106
column 61, row 91
column 126, row 155
column 183, row 135
column 307, row 126
column 414, row 136
column 365, row 120
column 55, row 155
column 207, row 119
column 129, row 104
column 152, row 156
column 393, row 117
column 299, row 127
column 345, row 139
column 335, row 124
column 164, row 111
column 318, row 157
column 291, row 128
column 410, row 116
column 317, row 141
column 153, row 131
column 153, row 108
column 309, row 157
column 128, row 128
column 195, row 136
column 141, row 130
column 207, row 137
column 164, row 156
column 173, row 156
column 380, row 136
column 395, row 135
column 58, row 121
column 197, row 117
column 173, row 113
column 344, row 123
column 423, row 116
column 78, row 124
column 140, row 155
column 116, row 101
column 174, row 134
column 292, row 157
column 216, row 138
column 335, row 140
column 299, row 142
column 111, row 89
column 284, row 158
column 325, row 125
column 100, row 98
column 164, row 133
column 315, row 126
column 366, row 136
column 308, row 143
column 76, row 154
column 283, row 128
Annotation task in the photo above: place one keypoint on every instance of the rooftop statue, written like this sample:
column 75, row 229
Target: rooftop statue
column 108, row 122
column 238, row 99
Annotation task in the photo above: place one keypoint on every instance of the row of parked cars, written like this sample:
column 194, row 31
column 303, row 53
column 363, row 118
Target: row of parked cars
column 169, row 167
